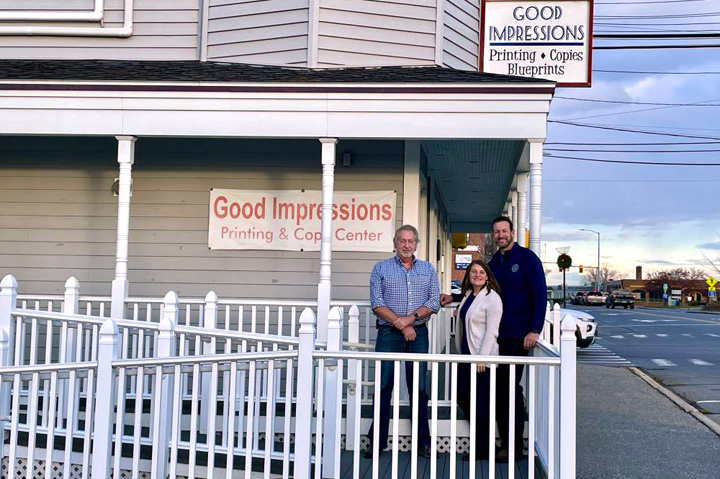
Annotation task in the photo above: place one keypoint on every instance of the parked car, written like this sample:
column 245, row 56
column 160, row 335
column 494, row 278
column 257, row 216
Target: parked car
column 586, row 326
column 579, row 298
column 620, row 298
column 594, row 298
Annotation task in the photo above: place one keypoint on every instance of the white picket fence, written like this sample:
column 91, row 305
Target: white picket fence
column 187, row 391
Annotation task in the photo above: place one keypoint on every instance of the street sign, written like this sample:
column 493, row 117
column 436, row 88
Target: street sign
column 711, row 281
column 711, row 288
column 665, row 288
column 711, row 294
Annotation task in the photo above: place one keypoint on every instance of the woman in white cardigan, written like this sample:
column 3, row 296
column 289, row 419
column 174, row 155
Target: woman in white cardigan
column 478, row 322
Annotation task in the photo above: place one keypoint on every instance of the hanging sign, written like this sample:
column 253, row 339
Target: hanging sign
column 462, row 260
column 290, row 220
column 539, row 39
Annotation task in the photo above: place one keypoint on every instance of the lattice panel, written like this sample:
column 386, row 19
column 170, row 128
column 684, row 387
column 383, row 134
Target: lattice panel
column 21, row 471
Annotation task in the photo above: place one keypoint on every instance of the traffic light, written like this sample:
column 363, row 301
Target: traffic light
column 580, row 268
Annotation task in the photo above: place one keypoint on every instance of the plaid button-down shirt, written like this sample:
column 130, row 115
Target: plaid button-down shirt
column 403, row 290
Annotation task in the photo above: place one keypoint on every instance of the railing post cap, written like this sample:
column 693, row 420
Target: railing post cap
column 170, row 298
column 354, row 310
column 109, row 328
column 211, row 297
column 568, row 323
column 307, row 316
column 556, row 307
column 9, row 281
column 335, row 314
column 72, row 283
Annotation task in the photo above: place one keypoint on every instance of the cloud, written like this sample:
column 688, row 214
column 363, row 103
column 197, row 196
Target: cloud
column 656, row 261
column 564, row 236
column 714, row 246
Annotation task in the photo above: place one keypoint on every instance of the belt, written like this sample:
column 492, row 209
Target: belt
column 378, row 325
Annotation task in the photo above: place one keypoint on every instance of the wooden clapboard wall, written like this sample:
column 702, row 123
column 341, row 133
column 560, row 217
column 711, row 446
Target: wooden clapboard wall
column 163, row 30
column 58, row 217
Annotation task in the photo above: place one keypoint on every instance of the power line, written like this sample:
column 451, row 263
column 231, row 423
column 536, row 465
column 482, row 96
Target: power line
column 657, row 17
column 646, row 3
column 635, row 144
column 639, row 72
column 632, row 151
column 652, row 47
column 627, row 162
column 622, row 102
column 653, row 36
column 632, row 130
column 625, row 180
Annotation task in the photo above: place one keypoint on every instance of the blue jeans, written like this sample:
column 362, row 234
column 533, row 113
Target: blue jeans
column 390, row 340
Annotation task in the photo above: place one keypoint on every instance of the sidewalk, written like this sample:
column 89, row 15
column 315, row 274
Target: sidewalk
column 628, row 430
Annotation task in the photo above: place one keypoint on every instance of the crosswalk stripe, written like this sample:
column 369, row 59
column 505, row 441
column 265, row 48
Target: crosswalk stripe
column 639, row 335
column 618, row 337
column 664, row 362
column 700, row 362
column 712, row 335
column 600, row 355
column 687, row 335
column 662, row 335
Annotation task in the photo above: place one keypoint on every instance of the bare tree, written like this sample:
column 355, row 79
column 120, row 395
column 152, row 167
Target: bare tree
column 607, row 272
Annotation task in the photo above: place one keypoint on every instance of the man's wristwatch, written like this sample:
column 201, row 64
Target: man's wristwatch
column 416, row 316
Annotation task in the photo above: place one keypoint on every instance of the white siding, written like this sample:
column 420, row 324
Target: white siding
column 163, row 30
column 58, row 216
column 271, row 32
column 373, row 32
column 461, row 42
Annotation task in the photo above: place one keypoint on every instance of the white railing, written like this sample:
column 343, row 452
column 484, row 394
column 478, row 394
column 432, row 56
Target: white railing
column 221, row 398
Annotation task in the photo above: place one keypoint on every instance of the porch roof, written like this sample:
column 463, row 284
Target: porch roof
column 196, row 71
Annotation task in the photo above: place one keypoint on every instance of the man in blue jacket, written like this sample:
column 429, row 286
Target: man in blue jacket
column 523, row 290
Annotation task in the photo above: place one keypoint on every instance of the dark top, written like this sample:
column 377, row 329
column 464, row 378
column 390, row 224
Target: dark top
column 523, row 291
column 463, row 312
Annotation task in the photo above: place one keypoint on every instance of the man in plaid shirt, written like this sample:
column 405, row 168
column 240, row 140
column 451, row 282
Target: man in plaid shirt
column 404, row 293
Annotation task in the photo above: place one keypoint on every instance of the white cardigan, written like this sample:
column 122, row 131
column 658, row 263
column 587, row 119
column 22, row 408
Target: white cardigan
column 483, row 319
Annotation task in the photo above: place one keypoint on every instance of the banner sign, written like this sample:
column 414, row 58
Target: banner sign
column 290, row 220
column 540, row 39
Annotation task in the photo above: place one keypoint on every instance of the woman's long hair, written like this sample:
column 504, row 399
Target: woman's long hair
column 491, row 283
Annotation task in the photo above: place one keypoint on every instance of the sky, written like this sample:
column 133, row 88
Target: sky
column 657, row 217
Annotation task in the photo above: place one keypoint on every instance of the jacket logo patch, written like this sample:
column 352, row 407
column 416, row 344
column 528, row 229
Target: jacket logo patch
column 515, row 268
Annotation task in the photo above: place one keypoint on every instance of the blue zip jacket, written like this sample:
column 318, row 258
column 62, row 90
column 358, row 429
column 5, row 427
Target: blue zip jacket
column 523, row 291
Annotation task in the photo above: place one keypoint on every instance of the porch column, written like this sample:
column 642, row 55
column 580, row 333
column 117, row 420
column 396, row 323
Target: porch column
column 536, row 159
column 328, row 183
column 514, row 207
column 126, row 158
column 521, row 209
column 411, row 184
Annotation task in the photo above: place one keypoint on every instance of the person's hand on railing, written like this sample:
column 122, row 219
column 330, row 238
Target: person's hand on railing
column 481, row 367
column 445, row 299
column 409, row 333
column 530, row 340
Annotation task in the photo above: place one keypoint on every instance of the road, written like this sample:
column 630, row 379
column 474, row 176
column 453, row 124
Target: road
column 678, row 348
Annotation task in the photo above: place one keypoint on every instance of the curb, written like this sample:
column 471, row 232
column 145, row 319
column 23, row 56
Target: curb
column 680, row 402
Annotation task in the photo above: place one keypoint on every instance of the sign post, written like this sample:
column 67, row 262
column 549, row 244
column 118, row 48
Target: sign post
column 538, row 38
column 711, row 282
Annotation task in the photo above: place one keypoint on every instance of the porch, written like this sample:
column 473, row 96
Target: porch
column 71, row 380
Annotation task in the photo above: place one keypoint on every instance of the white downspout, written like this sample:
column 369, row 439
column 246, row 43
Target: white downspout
column 123, row 32
column 43, row 15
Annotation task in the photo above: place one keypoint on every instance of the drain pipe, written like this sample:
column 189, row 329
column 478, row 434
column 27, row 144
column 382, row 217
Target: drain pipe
column 43, row 15
column 122, row 32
